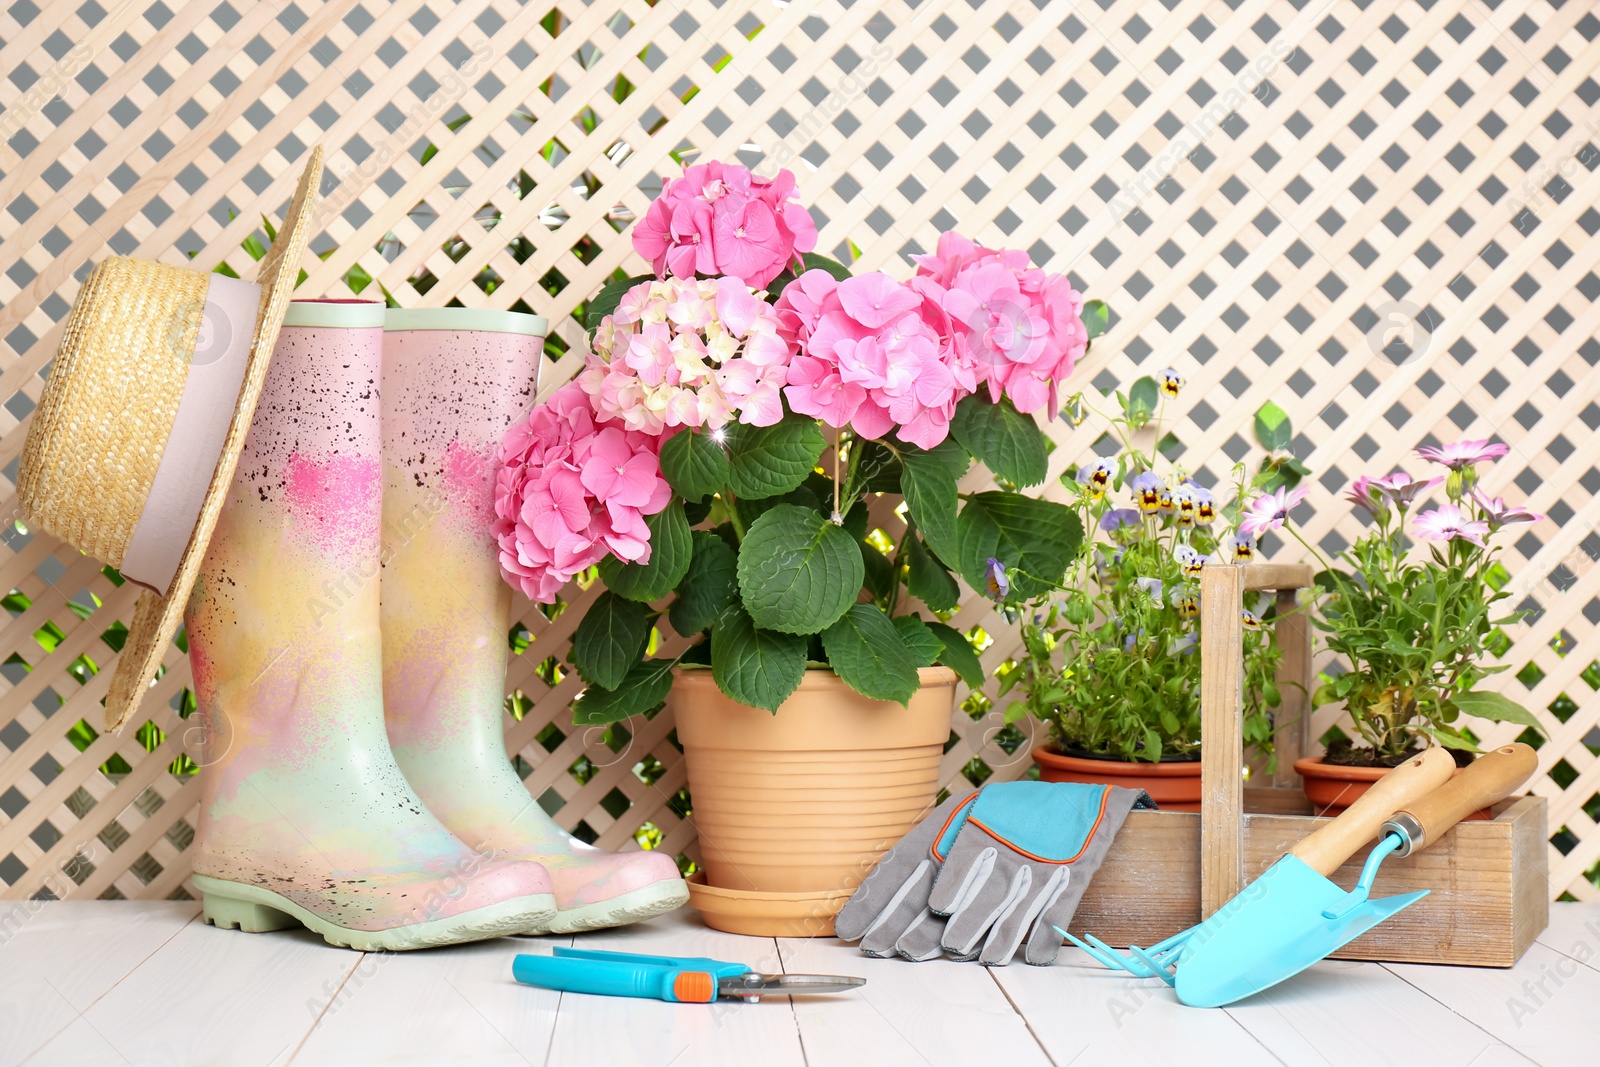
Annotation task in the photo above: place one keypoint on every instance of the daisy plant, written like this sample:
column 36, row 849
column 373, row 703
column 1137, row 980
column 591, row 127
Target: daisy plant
column 1411, row 611
column 1112, row 664
column 740, row 411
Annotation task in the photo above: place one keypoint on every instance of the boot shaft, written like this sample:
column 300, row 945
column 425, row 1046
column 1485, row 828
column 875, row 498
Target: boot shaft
column 283, row 622
column 454, row 379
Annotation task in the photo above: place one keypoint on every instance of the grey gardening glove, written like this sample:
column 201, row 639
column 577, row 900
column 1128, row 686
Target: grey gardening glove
column 1016, row 859
column 891, row 905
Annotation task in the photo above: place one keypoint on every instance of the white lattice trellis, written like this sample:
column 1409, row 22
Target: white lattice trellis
column 1379, row 216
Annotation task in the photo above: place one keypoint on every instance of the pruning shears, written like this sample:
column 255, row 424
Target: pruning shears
column 686, row 980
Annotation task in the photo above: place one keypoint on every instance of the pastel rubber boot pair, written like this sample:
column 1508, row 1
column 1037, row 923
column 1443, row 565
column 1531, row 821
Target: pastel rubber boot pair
column 453, row 381
column 305, row 816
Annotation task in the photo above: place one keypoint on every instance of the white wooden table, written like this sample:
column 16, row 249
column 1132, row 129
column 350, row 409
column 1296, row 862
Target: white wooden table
column 148, row 983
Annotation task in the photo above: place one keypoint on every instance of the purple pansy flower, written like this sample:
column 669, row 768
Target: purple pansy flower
column 1147, row 489
column 999, row 586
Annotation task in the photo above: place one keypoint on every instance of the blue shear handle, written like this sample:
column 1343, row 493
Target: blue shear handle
column 596, row 976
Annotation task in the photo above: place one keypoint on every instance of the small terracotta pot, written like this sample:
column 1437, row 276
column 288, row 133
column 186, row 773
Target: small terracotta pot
column 1174, row 785
column 805, row 801
column 1331, row 788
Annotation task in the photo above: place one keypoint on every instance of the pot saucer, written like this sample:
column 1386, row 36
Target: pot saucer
column 739, row 911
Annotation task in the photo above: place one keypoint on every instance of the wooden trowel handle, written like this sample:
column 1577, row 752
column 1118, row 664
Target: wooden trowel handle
column 1487, row 780
column 1326, row 850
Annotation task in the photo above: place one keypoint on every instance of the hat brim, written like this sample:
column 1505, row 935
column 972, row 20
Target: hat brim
column 155, row 617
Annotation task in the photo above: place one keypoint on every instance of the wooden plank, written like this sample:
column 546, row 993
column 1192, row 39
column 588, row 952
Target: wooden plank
column 245, row 999
column 908, row 1013
column 456, row 1004
column 606, row 1030
column 1272, row 800
column 1574, row 931
column 1222, row 726
column 1279, row 577
column 1544, row 1007
column 58, row 957
column 1359, row 1013
column 1148, row 886
column 1082, row 1012
column 1292, row 718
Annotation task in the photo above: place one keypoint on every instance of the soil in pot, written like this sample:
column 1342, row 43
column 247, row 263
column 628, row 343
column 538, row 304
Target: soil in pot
column 806, row 800
column 1173, row 784
column 1331, row 787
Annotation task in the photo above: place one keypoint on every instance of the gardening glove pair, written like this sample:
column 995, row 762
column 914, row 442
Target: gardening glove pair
column 986, row 870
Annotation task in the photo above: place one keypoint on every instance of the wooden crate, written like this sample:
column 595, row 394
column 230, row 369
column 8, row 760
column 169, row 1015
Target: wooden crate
column 1168, row 870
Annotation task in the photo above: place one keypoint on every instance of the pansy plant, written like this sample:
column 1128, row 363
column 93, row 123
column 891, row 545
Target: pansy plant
column 1112, row 665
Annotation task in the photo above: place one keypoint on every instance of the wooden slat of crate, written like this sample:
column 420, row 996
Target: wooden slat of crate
column 1485, row 907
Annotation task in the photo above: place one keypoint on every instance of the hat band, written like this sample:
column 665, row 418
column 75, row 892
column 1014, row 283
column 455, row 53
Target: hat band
column 205, row 411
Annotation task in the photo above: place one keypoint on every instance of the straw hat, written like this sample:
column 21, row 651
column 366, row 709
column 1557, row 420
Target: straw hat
column 135, row 439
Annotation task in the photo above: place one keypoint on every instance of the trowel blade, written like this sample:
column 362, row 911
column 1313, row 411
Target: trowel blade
column 1274, row 929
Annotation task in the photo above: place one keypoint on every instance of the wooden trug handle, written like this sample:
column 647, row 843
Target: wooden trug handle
column 1326, row 850
column 1487, row 780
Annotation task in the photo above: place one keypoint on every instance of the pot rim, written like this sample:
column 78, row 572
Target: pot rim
column 817, row 677
column 1164, row 769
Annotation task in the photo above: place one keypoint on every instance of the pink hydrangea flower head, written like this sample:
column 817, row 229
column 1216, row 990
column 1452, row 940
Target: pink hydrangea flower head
column 869, row 358
column 1019, row 329
column 687, row 352
column 1449, row 523
column 718, row 218
column 568, row 493
column 1269, row 512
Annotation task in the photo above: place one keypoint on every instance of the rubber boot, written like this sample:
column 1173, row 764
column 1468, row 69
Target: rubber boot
column 454, row 380
column 305, row 817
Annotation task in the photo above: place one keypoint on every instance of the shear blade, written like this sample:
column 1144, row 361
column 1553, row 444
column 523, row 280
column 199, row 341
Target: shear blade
column 758, row 985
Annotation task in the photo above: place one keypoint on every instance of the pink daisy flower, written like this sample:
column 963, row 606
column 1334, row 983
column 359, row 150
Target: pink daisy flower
column 1269, row 512
column 1495, row 512
column 1460, row 454
column 1448, row 523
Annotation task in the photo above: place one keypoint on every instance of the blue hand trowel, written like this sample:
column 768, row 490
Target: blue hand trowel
column 1319, row 854
column 1293, row 915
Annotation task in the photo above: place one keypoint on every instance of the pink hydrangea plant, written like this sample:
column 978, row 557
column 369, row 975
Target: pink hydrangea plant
column 1021, row 328
column 718, row 218
column 569, row 492
column 871, row 356
column 688, row 353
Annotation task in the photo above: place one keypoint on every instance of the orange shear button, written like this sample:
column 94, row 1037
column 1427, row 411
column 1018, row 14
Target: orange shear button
column 694, row 987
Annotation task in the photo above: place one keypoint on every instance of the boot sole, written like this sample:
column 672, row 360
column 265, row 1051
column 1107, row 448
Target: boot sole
column 236, row 906
column 658, row 898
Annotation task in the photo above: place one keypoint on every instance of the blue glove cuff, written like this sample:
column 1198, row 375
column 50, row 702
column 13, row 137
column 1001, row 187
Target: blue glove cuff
column 1052, row 822
column 952, row 826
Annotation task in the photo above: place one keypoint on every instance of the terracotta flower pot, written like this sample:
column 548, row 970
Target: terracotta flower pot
column 1331, row 787
column 805, row 801
column 1174, row 785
